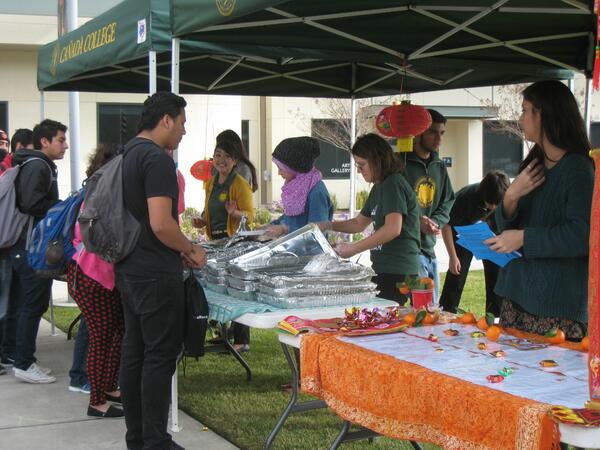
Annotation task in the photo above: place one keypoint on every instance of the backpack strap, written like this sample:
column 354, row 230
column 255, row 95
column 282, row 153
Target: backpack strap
column 47, row 165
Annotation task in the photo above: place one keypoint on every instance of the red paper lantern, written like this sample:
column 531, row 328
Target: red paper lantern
column 404, row 121
column 202, row 170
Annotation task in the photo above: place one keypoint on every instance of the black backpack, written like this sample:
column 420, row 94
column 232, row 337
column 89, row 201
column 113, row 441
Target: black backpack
column 196, row 318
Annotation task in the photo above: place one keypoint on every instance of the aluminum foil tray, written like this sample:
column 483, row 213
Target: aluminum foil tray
column 215, row 269
column 304, row 242
column 242, row 285
column 318, row 290
column 278, row 265
column 218, row 288
column 215, row 280
column 242, row 295
column 315, row 301
column 222, row 254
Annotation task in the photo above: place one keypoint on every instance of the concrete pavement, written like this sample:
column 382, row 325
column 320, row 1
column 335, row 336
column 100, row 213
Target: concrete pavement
column 49, row 417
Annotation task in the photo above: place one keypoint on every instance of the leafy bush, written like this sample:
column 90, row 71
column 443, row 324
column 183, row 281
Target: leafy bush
column 185, row 223
column 334, row 201
column 361, row 199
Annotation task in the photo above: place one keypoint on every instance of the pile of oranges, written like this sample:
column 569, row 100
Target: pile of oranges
column 422, row 317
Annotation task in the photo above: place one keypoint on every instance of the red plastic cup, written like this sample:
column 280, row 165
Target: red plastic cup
column 421, row 298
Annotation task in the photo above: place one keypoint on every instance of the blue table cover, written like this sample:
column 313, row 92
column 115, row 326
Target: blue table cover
column 223, row 308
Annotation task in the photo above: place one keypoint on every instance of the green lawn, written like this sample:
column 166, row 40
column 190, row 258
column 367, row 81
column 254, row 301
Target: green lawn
column 214, row 390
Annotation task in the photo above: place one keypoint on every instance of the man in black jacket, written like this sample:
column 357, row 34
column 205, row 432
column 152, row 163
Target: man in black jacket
column 37, row 192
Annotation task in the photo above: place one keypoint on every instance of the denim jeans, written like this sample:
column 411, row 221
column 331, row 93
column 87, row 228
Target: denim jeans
column 35, row 292
column 428, row 268
column 154, row 316
column 77, row 374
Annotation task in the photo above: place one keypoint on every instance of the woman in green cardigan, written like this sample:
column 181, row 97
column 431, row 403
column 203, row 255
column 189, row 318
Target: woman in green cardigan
column 545, row 215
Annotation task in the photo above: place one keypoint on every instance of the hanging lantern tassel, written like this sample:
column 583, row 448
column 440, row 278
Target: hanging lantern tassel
column 404, row 122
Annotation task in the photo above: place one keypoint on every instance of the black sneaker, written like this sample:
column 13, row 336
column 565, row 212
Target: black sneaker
column 176, row 446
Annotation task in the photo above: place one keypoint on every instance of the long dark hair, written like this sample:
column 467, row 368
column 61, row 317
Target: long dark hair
column 233, row 138
column 382, row 159
column 236, row 152
column 561, row 121
column 101, row 155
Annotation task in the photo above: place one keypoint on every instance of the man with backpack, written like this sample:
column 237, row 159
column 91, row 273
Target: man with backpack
column 36, row 192
column 150, row 278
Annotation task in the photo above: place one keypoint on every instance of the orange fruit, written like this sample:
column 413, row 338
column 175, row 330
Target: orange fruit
column 493, row 333
column 467, row 318
column 410, row 319
column 585, row 343
column 428, row 319
column 427, row 282
column 404, row 290
column 482, row 323
column 558, row 338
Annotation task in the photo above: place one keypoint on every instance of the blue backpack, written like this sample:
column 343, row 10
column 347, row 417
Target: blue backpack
column 50, row 247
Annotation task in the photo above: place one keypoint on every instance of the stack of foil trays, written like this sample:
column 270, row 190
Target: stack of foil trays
column 298, row 270
column 215, row 274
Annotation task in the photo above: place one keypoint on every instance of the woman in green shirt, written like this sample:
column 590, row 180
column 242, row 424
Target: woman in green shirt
column 392, row 208
column 545, row 215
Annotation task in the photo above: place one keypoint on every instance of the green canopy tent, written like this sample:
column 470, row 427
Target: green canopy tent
column 311, row 48
column 365, row 48
column 118, row 51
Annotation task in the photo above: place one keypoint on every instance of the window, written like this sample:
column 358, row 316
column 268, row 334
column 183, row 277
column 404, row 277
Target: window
column 502, row 150
column 117, row 123
column 334, row 162
column 4, row 117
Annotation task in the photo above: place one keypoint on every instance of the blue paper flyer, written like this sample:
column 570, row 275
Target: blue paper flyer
column 472, row 237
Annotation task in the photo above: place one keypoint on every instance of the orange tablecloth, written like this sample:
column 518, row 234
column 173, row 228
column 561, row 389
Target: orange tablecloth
column 406, row 401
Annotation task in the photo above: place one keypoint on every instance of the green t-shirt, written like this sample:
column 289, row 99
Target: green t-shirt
column 216, row 206
column 401, row 254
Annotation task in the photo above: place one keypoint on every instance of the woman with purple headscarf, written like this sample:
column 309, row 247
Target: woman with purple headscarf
column 304, row 195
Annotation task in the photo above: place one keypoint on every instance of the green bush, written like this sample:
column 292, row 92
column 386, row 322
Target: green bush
column 334, row 201
column 361, row 199
column 185, row 223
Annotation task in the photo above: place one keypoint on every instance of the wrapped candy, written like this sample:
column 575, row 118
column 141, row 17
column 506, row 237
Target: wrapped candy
column 505, row 371
column 498, row 354
column 477, row 334
column 451, row 332
column 495, row 378
column 432, row 337
column 482, row 346
column 548, row 363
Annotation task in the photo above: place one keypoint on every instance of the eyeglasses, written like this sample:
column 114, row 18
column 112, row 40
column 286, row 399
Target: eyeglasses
column 221, row 156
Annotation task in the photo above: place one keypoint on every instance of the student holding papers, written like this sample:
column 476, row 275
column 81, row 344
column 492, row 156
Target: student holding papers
column 545, row 215
column 392, row 206
column 473, row 203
